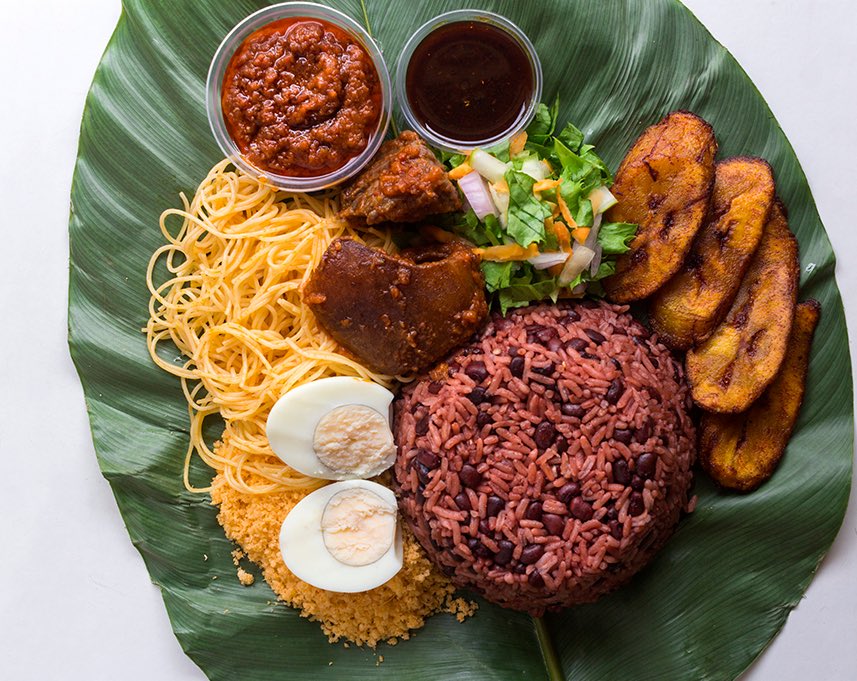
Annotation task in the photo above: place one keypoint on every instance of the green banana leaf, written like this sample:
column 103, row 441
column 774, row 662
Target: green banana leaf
column 724, row 585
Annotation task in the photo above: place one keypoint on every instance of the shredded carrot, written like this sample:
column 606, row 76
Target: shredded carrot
column 460, row 171
column 516, row 144
column 501, row 186
column 545, row 185
column 507, row 252
column 580, row 234
column 440, row 235
column 561, row 232
column 566, row 213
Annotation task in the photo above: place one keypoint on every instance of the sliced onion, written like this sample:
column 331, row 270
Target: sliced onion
column 492, row 169
column 501, row 200
column 602, row 199
column 579, row 261
column 477, row 195
column 535, row 169
column 592, row 237
column 596, row 261
column 545, row 260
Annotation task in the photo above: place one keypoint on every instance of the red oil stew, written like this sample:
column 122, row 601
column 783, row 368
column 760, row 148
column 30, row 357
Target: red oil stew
column 469, row 81
column 301, row 97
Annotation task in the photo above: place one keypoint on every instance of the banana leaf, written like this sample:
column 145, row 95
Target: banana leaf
column 722, row 588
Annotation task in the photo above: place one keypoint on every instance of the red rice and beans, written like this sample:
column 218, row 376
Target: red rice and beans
column 554, row 459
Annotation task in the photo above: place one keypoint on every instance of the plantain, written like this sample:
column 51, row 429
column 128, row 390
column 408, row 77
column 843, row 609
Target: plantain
column 741, row 451
column 739, row 360
column 689, row 306
column 664, row 185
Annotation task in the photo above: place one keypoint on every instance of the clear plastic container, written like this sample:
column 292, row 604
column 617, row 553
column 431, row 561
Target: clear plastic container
column 238, row 35
column 453, row 17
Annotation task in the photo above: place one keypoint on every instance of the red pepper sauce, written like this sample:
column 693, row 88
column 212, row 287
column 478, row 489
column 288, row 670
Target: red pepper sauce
column 301, row 97
column 469, row 81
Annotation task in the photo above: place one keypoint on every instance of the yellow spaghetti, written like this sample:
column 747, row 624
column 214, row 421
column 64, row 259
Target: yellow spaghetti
column 232, row 307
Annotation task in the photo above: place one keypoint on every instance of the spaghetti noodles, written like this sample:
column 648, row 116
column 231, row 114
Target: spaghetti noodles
column 232, row 306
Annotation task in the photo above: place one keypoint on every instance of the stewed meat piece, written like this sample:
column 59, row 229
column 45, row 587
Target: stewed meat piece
column 400, row 313
column 403, row 183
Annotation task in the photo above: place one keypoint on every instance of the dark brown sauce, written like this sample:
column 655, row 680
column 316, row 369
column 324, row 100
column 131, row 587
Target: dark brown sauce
column 469, row 81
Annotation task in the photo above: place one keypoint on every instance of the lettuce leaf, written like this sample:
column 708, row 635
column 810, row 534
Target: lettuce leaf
column 527, row 214
column 521, row 292
column 498, row 275
column 615, row 237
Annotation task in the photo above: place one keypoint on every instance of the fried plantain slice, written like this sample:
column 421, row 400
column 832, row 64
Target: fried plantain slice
column 689, row 306
column 741, row 451
column 664, row 185
column 741, row 358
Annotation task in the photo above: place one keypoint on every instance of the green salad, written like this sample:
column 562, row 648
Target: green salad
column 536, row 208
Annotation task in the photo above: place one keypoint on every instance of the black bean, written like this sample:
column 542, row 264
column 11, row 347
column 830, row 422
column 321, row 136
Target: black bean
column 568, row 491
column 519, row 569
column 501, row 323
column 516, row 366
column 554, row 344
column 572, row 316
column 469, row 476
column 462, row 501
column 534, row 511
column 494, row 506
column 427, row 458
column 621, row 472
column 484, row 527
column 532, row 553
column 612, row 513
column 553, row 523
column 588, row 355
column 483, row 418
column 622, row 435
column 544, row 435
column 561, row 444
column 596, row 337
column 573, row 410
column 536, row 579
column 479, row 549
column 655, row 362
column 643, row 433
column 635, row 504
column 576, row 344
column 478, row 395
column 421, row 427
column 616, row 363
column 614, row 392
column 546, row 334
column 434, row 387
column 545, row 370
column 646, row 465
column 477, row 371
column 532, row 332
column 423, row 473
column 637, row 483
column 580, row 509
column 504, row 553
column 616, row 529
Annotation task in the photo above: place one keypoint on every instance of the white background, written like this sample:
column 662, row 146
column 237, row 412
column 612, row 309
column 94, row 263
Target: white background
column 75, row 599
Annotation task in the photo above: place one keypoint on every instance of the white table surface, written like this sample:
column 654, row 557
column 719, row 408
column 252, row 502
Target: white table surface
column 75, row 599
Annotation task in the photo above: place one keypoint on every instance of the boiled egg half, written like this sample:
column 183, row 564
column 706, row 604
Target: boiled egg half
column 344, row 537
column 334, row 428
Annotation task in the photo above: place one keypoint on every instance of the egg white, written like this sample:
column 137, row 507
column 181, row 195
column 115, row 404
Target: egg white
column 304, row 552
column 293, row 419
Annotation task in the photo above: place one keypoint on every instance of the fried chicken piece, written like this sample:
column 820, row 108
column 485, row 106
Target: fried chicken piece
column 403, row 183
